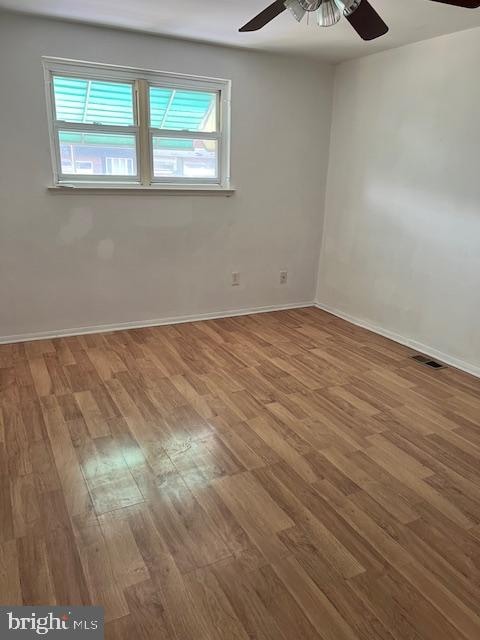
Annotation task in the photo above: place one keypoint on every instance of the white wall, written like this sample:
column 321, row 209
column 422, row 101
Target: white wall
column 69, row 261
column 401, row 243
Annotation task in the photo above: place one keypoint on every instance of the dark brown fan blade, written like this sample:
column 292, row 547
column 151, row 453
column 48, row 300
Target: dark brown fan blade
column 467, row 4
column 366, row 22
column 266, row 16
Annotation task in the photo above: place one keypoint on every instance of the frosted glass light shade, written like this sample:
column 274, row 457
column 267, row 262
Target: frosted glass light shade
column 296, row 9
column 328, row 13
column 310, row 5
column 348, row 6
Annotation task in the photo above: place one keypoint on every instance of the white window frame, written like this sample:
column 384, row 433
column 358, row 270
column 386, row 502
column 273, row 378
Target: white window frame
column 141, row 80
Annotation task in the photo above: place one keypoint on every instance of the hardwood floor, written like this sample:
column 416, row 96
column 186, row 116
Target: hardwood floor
column 277, row 476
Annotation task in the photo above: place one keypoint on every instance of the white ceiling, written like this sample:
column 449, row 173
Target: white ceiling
column 218, row 21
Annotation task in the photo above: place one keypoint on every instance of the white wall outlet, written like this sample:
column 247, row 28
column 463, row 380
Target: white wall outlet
column 283, row 277
column 235, row 279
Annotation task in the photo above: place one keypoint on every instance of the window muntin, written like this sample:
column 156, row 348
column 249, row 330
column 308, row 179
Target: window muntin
column 119, row 125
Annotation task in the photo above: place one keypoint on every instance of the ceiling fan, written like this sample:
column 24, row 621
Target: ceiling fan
column 360, row 14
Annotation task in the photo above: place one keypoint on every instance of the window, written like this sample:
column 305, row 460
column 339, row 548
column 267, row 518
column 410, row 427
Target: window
column 83, row 166
column 120, row 166
column 116, row 126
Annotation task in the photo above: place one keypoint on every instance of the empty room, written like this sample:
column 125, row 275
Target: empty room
column 240, row 319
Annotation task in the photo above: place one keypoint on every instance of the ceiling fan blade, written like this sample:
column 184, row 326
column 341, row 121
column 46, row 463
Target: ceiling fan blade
column 366, row 21
column 266, row 16
column 467, row 4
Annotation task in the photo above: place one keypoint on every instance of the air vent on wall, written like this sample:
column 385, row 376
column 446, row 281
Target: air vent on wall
column 428, row 362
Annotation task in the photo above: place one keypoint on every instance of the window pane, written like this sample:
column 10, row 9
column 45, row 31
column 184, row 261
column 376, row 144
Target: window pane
column 179, row 158
column 97, row 154
column 183, row 110
column 93, row 101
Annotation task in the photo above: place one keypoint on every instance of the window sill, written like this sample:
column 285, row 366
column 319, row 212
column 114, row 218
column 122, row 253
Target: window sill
column 167, row 190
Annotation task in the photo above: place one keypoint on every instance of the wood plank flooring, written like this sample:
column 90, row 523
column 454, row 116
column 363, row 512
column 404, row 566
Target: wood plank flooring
column 270, row 477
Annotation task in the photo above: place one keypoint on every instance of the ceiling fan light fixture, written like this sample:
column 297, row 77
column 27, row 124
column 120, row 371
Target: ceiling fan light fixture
column 348, row 6
column 310, row 5
column 328, row 13
column 296, row 9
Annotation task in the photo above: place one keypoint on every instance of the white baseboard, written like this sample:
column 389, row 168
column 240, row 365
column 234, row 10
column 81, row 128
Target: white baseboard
column 468, row 367
column 122, row 326
column 108, row 328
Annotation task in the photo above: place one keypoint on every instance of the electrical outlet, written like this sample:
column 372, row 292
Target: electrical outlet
column 283, row 277
column 235, row 279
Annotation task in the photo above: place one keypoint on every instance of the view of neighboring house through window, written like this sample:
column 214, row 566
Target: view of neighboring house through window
column 120, row 166
column 116, row 125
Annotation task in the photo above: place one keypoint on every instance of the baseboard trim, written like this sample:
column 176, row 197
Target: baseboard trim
column 157, row 322
column 216, row 315
column 408, row 342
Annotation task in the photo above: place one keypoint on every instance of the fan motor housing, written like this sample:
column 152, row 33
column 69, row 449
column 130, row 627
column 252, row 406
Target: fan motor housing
column 347, row 6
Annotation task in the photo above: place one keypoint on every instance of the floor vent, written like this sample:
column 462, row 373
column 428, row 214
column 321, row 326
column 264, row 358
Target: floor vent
column 428, row 362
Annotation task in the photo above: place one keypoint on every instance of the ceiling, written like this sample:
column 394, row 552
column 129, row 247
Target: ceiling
column 218, row 21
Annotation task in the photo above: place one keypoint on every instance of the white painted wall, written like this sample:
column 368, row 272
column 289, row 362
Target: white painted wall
column 72, row 261
column 401, row 243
